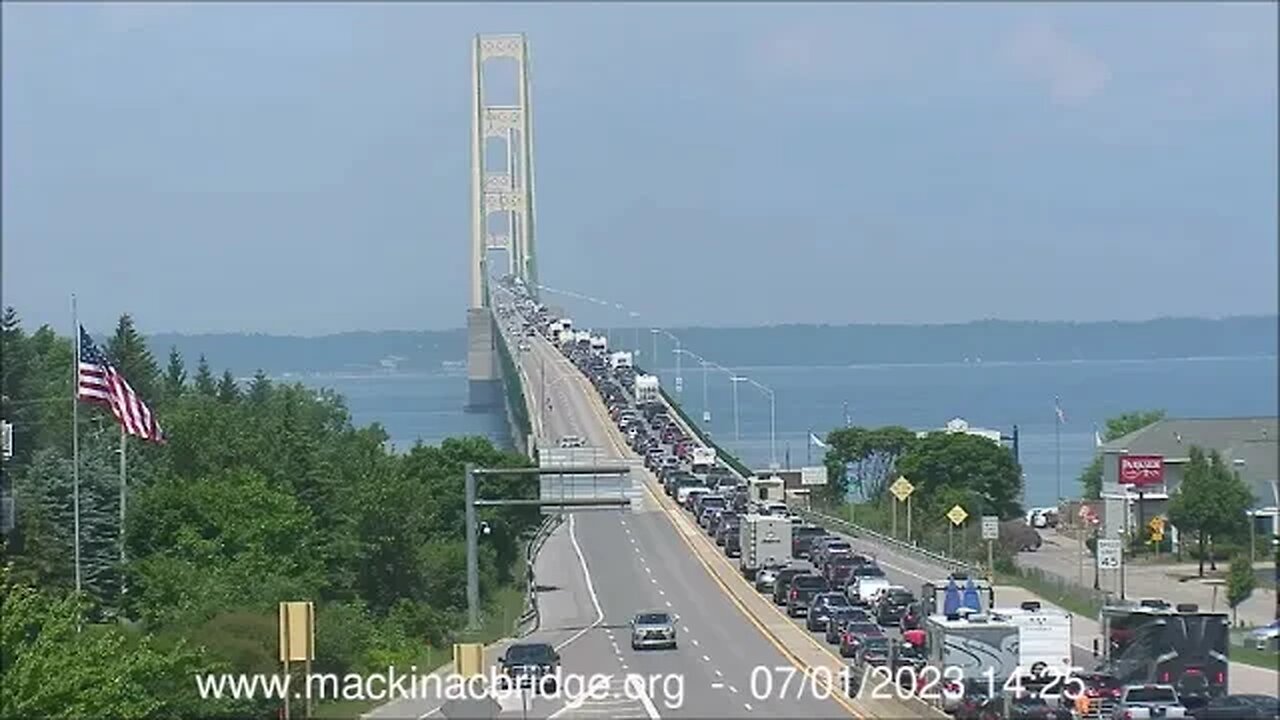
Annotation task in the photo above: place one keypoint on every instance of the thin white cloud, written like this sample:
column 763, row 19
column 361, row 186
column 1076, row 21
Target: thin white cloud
column 1072, row 73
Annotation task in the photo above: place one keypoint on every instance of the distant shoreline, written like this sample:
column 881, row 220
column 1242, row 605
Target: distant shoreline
column 978, row 344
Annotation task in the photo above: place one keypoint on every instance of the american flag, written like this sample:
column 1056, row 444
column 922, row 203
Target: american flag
column 101, row 384
column 1057, row 410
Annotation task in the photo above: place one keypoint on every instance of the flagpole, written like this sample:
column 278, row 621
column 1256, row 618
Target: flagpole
column 123, row 496
column 1057, row 442
column 75, row 438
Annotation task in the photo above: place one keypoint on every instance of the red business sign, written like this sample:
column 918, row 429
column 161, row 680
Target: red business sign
column 1141, row 469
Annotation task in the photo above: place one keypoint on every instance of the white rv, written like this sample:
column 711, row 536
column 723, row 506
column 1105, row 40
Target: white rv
column 620, row 359
column 1044, row 637
column 973, row 644
column 646, row 389
column 599, row 343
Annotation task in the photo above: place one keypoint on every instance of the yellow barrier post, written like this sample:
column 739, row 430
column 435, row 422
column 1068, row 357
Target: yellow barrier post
column 297, row 626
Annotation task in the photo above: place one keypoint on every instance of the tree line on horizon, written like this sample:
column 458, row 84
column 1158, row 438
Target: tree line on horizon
column 425, row 351
column 263, row 493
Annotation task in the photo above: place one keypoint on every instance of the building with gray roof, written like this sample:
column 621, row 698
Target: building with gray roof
column 1249, row 444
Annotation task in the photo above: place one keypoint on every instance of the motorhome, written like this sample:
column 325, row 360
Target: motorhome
column 974, row 644
column 646, row 390
column 1044, row 638
column 1151, row 642
column 766, row 490
column 620, row 359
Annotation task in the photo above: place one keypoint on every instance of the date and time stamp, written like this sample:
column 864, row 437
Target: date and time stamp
column 926, row 683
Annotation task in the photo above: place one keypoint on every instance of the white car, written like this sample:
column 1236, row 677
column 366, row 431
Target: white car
column 1268, row 633
column 572, row 441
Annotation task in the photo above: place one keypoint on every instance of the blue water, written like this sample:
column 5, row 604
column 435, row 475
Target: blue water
column 988, row 395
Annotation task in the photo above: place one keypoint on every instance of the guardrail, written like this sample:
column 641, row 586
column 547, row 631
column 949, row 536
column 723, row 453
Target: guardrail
column 899, row 546
column 827, row 521
column 531, row 618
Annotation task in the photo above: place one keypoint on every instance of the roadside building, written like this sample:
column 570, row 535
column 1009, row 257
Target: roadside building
column 1149, row 463
column 960, row 425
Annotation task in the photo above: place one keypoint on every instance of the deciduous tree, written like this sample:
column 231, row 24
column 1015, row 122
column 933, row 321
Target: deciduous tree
column 1210, row 502
column 941, row 462
column 1240, row 583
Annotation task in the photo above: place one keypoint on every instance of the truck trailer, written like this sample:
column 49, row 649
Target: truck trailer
column 765, row 541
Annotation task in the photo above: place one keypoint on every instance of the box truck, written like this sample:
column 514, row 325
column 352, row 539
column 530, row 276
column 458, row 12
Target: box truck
column 765, row 541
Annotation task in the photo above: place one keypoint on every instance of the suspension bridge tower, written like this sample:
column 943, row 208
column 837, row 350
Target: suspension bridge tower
column 502, row 218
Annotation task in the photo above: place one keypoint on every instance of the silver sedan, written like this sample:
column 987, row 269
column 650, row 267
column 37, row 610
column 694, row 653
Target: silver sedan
column 654, row 628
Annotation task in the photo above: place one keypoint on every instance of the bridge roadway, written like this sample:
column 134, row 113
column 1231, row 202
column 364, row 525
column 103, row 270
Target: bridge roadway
column 635, row 561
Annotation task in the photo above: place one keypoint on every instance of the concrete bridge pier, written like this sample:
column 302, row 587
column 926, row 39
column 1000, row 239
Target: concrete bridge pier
column 484, row 379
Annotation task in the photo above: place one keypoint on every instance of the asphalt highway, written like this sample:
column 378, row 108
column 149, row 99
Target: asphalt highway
column 636, row 562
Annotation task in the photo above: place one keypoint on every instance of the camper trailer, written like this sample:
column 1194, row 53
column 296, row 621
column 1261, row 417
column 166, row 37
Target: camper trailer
column 975, row 644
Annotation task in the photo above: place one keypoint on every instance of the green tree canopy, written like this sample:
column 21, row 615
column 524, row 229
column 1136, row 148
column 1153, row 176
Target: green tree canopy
column 873, row 453
column 1116, row 427
column 1210, row 502
column 249, row 503
column 1240, row 583
column 941, row 463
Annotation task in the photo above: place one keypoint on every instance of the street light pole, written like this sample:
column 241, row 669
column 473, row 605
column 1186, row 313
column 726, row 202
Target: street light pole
column 737, row 435
column 773, row 453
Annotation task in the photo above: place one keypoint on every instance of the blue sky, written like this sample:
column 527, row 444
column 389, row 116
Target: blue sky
column 303, row 168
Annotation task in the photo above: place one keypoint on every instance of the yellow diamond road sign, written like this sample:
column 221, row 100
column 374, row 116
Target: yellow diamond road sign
column 902, row 488
column 957, row 515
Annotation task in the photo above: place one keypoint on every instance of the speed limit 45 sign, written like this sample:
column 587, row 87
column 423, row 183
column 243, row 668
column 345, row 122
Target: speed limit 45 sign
column 1109, row 554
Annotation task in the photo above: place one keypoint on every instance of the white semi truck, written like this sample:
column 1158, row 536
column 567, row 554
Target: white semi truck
column 765, row 541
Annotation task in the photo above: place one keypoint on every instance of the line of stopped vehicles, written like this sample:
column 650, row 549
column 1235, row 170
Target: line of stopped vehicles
column 986, row 662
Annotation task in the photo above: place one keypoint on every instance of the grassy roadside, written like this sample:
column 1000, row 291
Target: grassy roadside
column 497, row 623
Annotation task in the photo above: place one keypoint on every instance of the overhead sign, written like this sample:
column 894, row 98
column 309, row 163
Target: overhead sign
column 813, row 475
column 990, row 527
column 902, row 488
column 1109, row 554
column 1141, row 470
column 957, row 515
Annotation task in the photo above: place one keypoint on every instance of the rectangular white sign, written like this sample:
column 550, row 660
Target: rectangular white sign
column 813, row 475
column 990, row 527
column 1109, row 554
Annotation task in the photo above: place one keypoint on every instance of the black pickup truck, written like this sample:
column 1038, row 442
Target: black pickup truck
column 533, row 665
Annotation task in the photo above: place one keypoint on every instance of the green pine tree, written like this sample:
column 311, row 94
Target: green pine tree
column 1211, row 501
column 228, row 391
column 128, row 351
column 205, row 384
column 260, row 388
column 175, row 377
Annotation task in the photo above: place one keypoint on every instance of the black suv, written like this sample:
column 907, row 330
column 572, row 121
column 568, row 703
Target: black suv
column 530, row 665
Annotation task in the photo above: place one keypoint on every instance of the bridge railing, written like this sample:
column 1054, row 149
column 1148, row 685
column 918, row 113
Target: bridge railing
column 532, row 617
column 514, row 383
